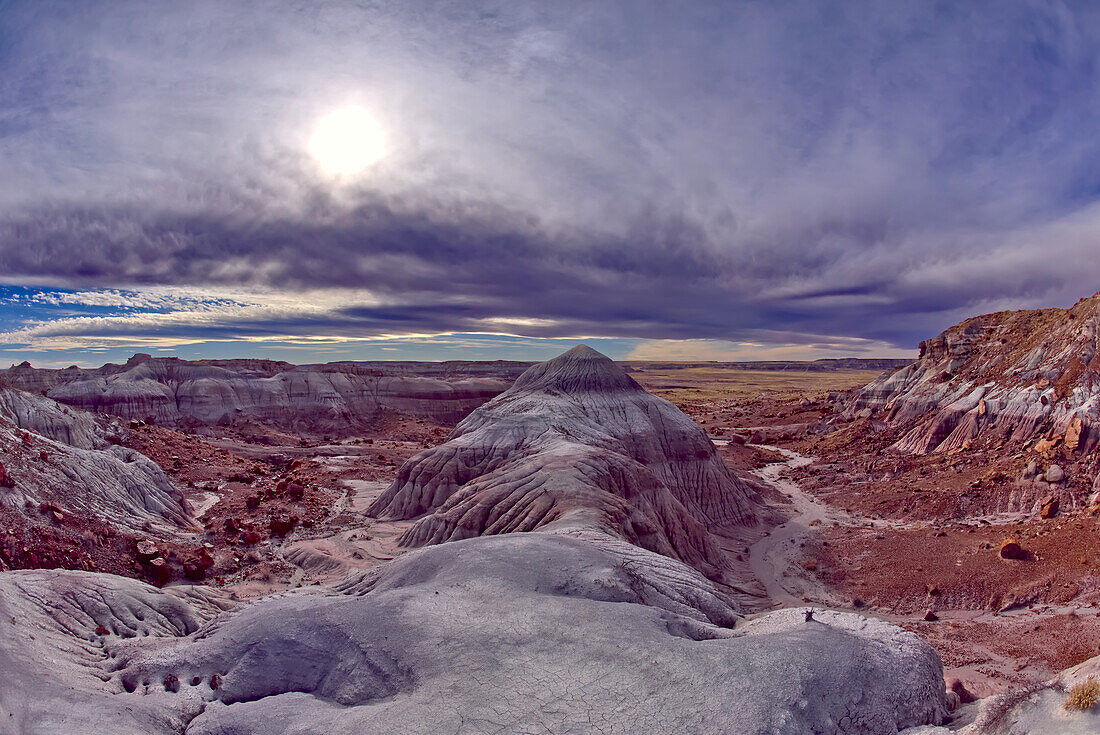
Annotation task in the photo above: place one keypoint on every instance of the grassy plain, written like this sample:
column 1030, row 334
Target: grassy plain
column 718, row 383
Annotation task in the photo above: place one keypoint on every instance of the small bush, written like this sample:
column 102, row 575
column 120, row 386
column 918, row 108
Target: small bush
column 1083, row 695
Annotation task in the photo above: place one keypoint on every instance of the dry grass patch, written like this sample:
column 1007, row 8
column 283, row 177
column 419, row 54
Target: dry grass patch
column 1083, row 695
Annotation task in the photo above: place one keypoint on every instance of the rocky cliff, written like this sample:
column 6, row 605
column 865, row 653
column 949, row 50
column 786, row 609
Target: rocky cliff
column 1017, row 375
column 1004, row 382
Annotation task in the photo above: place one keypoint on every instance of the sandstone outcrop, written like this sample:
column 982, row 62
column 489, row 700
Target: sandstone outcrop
column 523, row 633
column 337, row 398
column 575, row 442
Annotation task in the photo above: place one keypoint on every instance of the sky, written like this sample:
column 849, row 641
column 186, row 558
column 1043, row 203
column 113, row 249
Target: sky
column 727, row 180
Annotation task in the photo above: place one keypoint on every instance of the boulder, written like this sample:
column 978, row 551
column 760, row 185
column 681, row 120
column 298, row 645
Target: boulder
column 1054, row 473
column 1010, row 549
column 959, row 688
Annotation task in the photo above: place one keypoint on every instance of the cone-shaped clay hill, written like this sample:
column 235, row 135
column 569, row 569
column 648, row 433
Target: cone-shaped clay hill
column 575, row 442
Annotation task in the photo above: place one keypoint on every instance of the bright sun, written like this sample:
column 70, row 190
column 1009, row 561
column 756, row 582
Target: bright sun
column 346, row 141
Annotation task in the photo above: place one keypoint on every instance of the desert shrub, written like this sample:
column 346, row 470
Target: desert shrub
column 1083, row 695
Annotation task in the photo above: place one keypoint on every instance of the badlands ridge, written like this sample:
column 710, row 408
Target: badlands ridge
column 571, row 558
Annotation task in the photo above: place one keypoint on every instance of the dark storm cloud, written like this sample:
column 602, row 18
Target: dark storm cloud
column 764, row 171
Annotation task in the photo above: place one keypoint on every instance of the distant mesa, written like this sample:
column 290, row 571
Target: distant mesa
column 575, row 443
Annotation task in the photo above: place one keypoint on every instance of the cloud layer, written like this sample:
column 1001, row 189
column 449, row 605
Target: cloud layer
column 771, row 176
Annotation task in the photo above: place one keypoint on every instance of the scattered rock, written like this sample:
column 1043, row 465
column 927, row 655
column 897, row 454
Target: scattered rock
column 1046, row 444
column 930, row 616
column 1050, row 508
column 1073, row 434
column 161, row 572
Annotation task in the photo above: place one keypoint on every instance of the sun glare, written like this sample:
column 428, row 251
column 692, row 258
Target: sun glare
column 346, row 141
